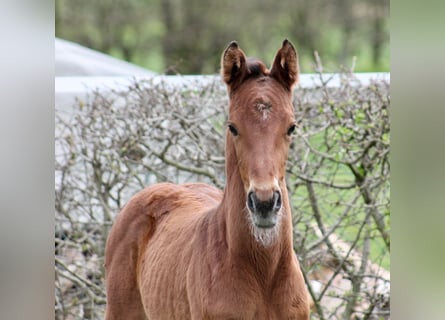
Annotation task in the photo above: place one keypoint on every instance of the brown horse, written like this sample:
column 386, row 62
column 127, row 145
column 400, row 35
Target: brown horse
column 192, row 252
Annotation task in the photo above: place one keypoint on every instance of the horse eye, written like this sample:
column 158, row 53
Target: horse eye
column 233, row 130
column 291, row 129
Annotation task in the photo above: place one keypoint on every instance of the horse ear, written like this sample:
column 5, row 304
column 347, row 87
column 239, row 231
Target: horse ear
column 233, row 64
column 285, row 65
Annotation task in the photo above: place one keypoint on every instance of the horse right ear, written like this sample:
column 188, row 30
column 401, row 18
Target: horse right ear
column 233, row 65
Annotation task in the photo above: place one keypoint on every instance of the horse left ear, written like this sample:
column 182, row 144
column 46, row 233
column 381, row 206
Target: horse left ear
column 285, row 66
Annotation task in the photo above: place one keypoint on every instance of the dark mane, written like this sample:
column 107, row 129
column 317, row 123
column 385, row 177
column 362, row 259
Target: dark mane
column 256, row 68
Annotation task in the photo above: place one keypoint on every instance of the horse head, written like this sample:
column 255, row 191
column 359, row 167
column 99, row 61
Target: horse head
column 260, row 124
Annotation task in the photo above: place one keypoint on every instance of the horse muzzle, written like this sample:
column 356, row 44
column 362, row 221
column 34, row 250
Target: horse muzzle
column 264, row 210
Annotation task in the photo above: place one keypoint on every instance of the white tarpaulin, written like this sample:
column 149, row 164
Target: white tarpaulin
column 74, row 60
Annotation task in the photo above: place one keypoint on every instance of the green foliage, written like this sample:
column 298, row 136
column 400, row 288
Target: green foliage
column 187, row 37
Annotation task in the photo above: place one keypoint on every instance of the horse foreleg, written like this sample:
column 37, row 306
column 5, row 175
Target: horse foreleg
column 123, row 296
column 125, row 243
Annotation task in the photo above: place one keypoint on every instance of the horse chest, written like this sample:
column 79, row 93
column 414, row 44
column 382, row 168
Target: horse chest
column 236, row 298
column 237, row 307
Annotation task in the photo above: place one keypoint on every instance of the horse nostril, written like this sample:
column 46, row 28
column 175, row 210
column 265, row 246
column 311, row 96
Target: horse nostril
column 277, row 200
column 272, row 205
column 251, row 201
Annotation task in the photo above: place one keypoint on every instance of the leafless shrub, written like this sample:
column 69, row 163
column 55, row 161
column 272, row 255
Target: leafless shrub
column 109, row 147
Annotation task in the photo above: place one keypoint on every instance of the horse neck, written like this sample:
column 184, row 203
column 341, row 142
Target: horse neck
column 232, row 216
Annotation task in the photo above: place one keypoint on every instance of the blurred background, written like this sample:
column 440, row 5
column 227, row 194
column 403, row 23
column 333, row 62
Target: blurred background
column 187, row 37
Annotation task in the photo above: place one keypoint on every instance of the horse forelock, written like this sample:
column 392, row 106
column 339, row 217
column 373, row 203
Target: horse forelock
column 256, row 68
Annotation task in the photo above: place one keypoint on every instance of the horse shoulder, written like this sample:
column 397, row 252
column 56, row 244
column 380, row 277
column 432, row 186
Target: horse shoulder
column 138, row 219
column 178, row 213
